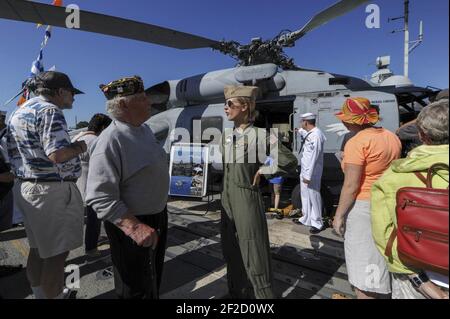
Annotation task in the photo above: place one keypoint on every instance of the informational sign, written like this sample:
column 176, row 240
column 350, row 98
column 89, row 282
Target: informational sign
column 189, row 170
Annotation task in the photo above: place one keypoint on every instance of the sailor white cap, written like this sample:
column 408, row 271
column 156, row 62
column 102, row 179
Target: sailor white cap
column 308, row 116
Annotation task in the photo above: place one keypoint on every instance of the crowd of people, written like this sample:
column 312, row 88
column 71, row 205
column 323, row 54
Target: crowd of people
column 374, row 173
column 107, row 174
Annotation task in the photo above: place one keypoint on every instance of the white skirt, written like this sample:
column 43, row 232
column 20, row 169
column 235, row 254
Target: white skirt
column 366, row 267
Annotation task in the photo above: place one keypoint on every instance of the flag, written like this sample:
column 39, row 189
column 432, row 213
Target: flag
column 38, row 66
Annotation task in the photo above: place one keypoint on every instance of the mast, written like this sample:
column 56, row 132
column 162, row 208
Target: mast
column 409, row 45
column 406, row 52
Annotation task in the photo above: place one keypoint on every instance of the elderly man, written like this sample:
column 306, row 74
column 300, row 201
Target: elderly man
column 46, row 165
column 128, row 183
column 311, row 173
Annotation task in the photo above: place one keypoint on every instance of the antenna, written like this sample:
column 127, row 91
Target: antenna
column 414, row 44
column 417, row 42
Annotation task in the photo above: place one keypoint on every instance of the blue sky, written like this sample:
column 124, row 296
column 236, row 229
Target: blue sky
column 343, row 46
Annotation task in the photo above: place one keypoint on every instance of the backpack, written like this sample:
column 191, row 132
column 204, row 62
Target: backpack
column 422, row 225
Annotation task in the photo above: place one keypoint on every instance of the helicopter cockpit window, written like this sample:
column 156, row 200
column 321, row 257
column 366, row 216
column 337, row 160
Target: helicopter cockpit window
column 212, row 125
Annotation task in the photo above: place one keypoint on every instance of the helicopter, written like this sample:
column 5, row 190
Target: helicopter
column 287, row 90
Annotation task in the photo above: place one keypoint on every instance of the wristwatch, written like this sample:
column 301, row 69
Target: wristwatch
column 418, row 279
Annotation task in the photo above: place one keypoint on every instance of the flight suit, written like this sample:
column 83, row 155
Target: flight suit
column 244, row 233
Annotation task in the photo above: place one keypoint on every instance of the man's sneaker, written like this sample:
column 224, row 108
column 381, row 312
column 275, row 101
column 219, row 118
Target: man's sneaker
column 270, row 215
column 279, row 214
column 103, row 240
column 295, row 213
column 315, row 230
column 105, row 274
column 69, row 293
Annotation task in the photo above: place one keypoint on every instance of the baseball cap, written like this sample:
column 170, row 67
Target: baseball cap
column 55, row 80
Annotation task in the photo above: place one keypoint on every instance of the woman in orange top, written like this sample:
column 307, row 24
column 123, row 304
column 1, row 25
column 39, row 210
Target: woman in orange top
column 366, row 156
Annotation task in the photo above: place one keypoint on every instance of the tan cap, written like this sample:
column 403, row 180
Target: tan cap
column 231, row 91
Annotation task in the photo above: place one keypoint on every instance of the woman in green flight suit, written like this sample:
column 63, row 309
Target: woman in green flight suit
column 244, row 233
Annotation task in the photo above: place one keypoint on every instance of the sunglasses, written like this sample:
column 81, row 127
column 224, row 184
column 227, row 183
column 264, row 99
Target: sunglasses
column 230, row 104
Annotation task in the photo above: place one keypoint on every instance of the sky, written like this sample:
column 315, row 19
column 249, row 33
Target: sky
column 344, row 45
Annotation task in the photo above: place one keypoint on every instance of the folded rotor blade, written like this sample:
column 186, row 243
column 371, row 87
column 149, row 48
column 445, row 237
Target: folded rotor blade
column 29, row 11
column 336, row 10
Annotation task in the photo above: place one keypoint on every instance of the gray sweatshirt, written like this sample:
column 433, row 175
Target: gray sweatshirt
column 128, row 171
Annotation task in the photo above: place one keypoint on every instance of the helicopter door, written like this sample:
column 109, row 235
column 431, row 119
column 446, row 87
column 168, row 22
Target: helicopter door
column 326, row 117
column 277, row 115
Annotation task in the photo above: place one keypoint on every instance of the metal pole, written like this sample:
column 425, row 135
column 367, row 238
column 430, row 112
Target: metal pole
column 406, row 38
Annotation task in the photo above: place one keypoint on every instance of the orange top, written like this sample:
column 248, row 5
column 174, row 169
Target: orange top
column 374, row 149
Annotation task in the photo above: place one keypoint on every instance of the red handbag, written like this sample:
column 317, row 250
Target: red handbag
column 422, row 225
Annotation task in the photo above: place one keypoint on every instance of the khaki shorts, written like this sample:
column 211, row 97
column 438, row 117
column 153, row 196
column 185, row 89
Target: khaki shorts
column 53, row 215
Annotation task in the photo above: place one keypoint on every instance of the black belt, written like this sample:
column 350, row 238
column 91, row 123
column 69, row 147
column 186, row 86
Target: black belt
column 43, row 180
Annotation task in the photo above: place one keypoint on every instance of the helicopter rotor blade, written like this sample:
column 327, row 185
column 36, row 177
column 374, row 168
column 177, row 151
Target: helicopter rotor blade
column 45, row 14
column 336, row 10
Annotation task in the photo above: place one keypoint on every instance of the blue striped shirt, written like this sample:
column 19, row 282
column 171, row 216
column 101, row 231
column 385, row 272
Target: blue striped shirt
column 35, row 131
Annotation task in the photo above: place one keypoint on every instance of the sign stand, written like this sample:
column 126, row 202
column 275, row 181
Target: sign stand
column 190, row 174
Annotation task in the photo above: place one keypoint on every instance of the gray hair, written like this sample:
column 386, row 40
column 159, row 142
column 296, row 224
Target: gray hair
column 113, row 106
column 433, row 122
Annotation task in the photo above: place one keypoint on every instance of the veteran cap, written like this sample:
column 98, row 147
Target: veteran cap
column 231, row 91
column 54, row 80
column 308, row 116
column 123, row 87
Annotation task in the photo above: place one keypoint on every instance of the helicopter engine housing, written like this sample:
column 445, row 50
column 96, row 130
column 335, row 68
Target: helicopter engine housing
column 208, row 87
